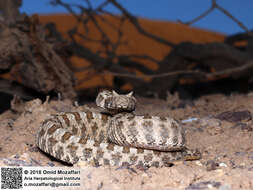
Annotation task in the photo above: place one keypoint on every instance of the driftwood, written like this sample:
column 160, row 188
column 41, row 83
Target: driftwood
column 9, row 9
column 31, row 60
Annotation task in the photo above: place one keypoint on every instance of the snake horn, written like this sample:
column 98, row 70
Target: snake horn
column 130, row 94
column 114, row 93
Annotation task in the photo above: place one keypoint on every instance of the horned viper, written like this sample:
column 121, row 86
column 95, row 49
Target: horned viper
column 114, row 136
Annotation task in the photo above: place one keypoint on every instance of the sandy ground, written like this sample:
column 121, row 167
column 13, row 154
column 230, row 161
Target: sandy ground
column 219, row 126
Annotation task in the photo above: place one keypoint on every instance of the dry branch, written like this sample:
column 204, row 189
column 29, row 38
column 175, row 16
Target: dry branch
column 32, row 61
column 9, row 9
column 137, row 25
column 214, row 6
column 187, row 61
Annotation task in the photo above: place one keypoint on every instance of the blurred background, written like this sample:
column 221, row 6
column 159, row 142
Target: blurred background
column 72, row 49
column 167, row 11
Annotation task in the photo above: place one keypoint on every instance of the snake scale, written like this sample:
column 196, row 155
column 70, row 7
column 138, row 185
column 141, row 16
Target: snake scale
column 114, row 136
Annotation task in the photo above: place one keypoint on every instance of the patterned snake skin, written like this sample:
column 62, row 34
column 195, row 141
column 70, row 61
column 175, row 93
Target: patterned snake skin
column 115, row 136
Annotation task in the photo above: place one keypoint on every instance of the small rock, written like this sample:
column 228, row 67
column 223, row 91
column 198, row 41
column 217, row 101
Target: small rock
column 233, row 116
column 34, row 149
column 251, row 155
column 189, row 120
column 204, row 185
column 250, row 168
column 223, row 165
column 51, row 164
column 211, row 165
column 240, row 153
column 225, row 187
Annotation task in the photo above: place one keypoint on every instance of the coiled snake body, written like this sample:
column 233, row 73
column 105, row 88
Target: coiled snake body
column 114, row 138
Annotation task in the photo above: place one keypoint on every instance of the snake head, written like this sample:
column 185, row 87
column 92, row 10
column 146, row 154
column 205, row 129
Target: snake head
column 115, row 103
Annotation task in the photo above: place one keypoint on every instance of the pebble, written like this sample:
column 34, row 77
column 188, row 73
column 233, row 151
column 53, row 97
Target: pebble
column 223, row 165
column 225, row 187
column 204, row 185
column 240, row 153
column 51, row 164
column 235, row 116
column 190, row 120
column 211, row 165
column 251, row 155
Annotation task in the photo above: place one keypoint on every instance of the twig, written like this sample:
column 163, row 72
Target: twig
column 137, row 25
column 204, row 14
column 109, row 48
column 146, row 57
column 9, row 10
column 107, row 59
column 144, row 76
column 204, row 75
column 224, row 11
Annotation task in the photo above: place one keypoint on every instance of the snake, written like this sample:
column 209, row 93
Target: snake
column 114, row 135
